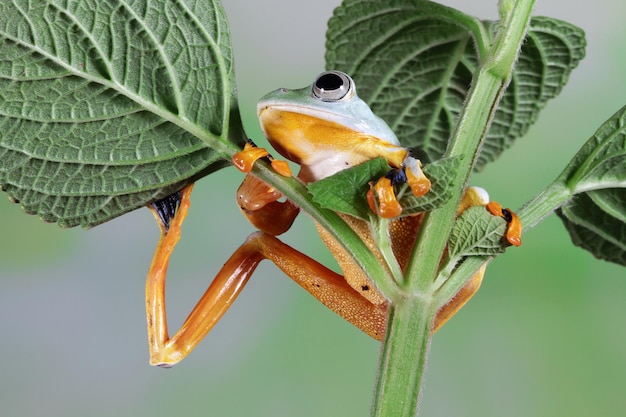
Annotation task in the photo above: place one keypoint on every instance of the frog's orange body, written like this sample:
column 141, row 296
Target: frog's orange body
column 321, row 142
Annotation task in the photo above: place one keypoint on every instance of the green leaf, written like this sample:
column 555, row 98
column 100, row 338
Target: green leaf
column 345, row 191
column 441, row 175
column 596, row 216
column 477, row 233
column 107, row 106
column 601, row 162
column 592, row 227
column 413, row 63
column 551, row 51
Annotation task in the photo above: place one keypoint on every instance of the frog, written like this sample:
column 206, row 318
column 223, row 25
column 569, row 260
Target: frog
column 323, row 128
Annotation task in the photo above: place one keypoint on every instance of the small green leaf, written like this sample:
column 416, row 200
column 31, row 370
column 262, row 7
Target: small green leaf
column 596, row 216
column 441, row 175
column 107, row 106
column 413, row 63
column 345, row 191
column 477, row 232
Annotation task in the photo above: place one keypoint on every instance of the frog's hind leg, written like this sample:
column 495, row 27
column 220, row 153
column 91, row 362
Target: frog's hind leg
column 325, row 285
column 470, row 288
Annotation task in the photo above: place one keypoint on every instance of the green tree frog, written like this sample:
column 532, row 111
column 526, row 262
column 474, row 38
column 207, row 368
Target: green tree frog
column 324, row 128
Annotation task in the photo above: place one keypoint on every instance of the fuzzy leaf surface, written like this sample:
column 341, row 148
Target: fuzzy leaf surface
column 345, row 192
column 106, row 106
column 477, row 233
column 596, row 215
column 413, row 63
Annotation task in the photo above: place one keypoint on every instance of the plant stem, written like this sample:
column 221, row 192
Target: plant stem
column 484, row 95
column 411, row 317
column 405, row 348
column 544, row 203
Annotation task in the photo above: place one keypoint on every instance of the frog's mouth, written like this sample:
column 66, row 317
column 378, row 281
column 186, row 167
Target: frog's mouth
column 352, row 116
column 322, row 147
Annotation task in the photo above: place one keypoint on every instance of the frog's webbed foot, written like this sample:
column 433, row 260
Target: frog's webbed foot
column 244, row 160
column 513, row 223
column 258, row 201
column 382, row 190
column 476, row 196
column 415, row 177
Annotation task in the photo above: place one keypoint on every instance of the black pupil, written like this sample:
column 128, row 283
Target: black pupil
column 329, row 82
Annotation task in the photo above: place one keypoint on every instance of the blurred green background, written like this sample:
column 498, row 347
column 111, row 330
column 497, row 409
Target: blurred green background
column 545, row 335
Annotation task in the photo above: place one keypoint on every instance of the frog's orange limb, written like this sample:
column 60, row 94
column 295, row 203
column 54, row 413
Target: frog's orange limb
column 328, row 287
column 325, row 285
column 460, row 299
column 494, row 208
column 388, row 205
column 418, row 182
column 244, row 160
column 383, row 192
column 155, row 283
column 371, row 198
column 282, row 167
column 514, row 228
column 253, row 194
column 258, row 203
column 514, row 224
column 473, row 196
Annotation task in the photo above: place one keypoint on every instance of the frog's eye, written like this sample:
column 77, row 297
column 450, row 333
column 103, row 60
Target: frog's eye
column 333, row 86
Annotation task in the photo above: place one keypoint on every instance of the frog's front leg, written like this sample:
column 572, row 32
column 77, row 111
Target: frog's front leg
column 244, row 160
column 514, row 224
column 382, row 197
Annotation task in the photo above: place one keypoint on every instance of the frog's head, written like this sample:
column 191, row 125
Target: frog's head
column 326, row 127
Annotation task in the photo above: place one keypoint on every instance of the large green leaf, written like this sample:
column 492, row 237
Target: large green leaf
column 595, row 229
column 413, row 62
column 596, row 214
column 106, row 106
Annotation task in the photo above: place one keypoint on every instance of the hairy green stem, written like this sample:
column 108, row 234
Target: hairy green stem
column 487, row 88
column 405, row 347
column 411, row 317
column 543, row 204
column 380, row 227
